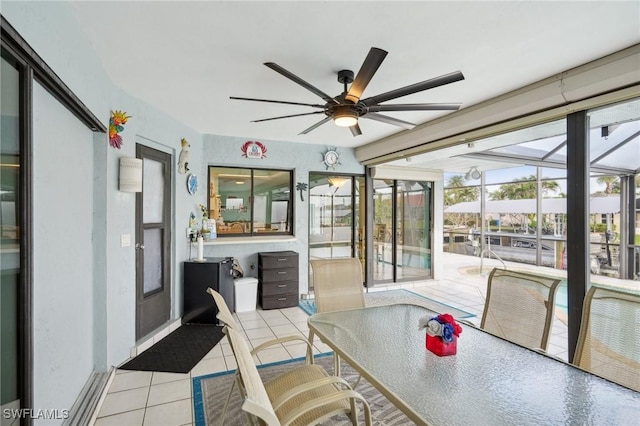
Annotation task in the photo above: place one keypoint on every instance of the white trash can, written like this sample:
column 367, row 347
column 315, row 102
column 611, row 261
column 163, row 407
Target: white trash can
column 246, row 294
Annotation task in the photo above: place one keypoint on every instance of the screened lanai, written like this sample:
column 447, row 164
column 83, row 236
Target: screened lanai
column 614, row 145
column 558, row 191
column 513, row 178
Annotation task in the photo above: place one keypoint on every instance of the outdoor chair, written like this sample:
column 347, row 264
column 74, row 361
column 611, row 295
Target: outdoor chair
column 224, row 313
column 519, row 307
column 337, row 286
column 609, row 339
column 304, row 395
column 225, row 316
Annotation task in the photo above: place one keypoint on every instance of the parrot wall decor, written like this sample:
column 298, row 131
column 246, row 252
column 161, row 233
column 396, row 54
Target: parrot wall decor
column 183, row 158
column 116, row 125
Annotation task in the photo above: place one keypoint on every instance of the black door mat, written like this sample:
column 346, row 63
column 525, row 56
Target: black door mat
column 180, row 351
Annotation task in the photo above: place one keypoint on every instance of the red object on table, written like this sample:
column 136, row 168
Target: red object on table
column 439, row 347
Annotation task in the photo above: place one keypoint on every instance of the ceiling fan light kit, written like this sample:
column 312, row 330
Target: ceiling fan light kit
column 347, row 108
column 345, row 116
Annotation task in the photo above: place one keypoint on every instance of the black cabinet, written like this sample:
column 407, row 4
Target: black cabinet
column 198, row 306
column 278, row 279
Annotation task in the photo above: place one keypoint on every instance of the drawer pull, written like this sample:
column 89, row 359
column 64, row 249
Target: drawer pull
column 282, row 299
column 282, row 272
column 282, row 285
column 284, row 259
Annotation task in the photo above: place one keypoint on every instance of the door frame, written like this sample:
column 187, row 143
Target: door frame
column 394, row 228
column 359, row 215
column 143, row 151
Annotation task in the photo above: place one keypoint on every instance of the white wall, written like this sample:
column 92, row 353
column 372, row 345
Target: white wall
column 302, row 159
column 84, row 282
column 62, row 253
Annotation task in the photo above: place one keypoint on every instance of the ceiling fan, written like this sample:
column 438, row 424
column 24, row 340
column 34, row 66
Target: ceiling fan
column 346, row 108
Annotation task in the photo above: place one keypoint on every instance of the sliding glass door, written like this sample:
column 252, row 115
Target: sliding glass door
column 402, row 230
column 12, row 223
column 336, row 217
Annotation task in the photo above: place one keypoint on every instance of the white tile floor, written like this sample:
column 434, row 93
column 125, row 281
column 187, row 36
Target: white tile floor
column 152, row 398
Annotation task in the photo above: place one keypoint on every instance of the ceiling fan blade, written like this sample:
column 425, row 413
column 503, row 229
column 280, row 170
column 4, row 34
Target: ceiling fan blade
column 277, row 68
column 414, row 88
column 287, row 116
column 355, row 130
column 414, row 107
column 318, row 124
column 389, row 120
column 276, row 102
column 367, row 70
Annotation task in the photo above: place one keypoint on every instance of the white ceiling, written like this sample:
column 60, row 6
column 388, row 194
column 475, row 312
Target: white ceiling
column 187, row 58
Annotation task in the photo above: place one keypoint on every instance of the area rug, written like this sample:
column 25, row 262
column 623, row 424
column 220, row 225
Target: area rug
column 180, row 351
column 390, row 297
column 210, row 393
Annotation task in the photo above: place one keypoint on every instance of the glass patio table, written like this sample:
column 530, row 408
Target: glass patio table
column 489, row 381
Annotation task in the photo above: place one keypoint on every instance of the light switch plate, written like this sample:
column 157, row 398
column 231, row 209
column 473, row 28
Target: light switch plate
column 125, row 240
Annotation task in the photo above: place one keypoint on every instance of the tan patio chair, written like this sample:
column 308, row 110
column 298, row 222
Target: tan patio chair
column 519, row 307
column 304, row 395
column 609, row 339
column 337, row 286
column 224, row 315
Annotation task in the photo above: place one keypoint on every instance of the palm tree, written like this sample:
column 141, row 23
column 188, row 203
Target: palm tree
column 456, row 192
column 523, row 188
column 611, row 183
column 456, row 181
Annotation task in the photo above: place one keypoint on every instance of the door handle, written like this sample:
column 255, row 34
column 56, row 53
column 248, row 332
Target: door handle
column 140, row 246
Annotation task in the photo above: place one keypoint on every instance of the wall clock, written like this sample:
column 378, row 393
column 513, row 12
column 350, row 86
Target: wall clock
column 331, row 158
column 192, row 184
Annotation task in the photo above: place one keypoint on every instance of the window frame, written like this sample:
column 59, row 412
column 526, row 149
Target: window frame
column 252, row 231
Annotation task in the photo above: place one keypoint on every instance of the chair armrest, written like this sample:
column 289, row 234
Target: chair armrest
column 291, row 416
column 278, row 341
column 467, row 322
column 306, row 387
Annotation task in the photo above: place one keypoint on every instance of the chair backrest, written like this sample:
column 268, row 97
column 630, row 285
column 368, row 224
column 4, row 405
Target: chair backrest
column 609, row 339
column 224, row 313
column 256, row 400
column 337, row 284
column 519, row 307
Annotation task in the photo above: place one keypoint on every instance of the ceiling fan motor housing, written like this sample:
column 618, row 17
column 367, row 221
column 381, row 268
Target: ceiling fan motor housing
column 345, row 77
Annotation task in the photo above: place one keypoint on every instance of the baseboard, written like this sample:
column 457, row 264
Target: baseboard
column 84, row 411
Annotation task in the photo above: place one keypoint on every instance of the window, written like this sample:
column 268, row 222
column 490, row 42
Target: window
column 12, row 224
column 251, row 201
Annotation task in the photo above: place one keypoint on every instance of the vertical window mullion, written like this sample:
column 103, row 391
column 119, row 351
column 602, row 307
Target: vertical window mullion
column 577, row 221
